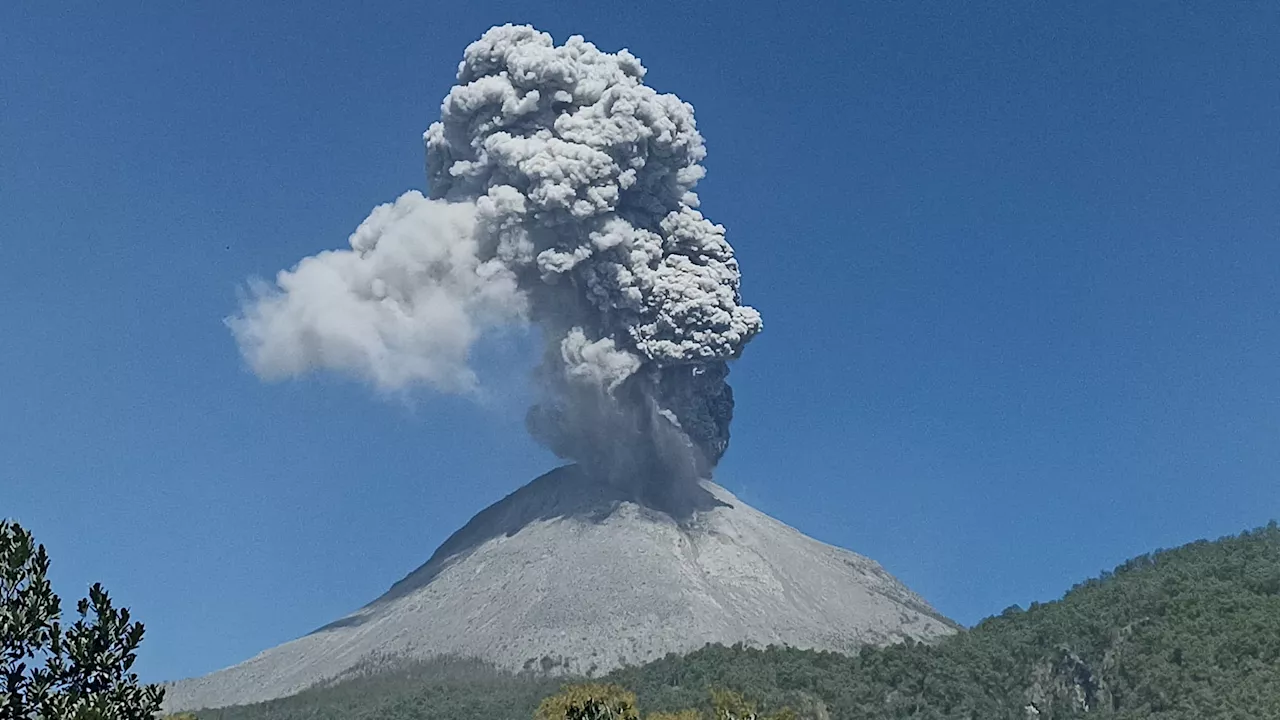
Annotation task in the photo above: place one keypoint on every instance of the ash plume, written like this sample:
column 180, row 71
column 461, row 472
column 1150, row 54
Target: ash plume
column 561, row 194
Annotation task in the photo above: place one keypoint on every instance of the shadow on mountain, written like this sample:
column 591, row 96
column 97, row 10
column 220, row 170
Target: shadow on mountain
column 566, row 492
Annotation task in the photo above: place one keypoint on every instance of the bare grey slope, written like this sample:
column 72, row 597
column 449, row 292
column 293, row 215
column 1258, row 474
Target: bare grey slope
column 569, row 570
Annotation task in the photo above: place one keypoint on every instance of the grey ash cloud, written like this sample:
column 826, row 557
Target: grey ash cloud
column 561, row 194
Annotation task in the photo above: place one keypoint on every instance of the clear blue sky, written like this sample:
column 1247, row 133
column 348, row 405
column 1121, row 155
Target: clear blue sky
column 1017, row 265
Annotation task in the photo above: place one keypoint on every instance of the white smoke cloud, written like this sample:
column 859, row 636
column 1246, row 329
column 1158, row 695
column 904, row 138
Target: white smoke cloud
column 562, row 194
column 403, row 306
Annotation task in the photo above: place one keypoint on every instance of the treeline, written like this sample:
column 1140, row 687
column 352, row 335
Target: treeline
column 1185, row 634
column 440, row 689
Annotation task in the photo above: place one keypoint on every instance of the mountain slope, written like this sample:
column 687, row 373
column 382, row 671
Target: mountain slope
column 568, row 574
column 1185, row 634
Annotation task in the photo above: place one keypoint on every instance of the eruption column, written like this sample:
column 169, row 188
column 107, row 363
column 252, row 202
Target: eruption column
column 561, row 194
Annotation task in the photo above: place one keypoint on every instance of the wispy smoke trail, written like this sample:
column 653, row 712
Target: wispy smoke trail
column 561, row 193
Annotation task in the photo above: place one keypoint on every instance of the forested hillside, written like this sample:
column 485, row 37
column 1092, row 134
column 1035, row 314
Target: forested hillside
column 1182, row 634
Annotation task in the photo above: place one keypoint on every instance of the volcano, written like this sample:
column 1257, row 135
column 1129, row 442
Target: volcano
column 571, row 575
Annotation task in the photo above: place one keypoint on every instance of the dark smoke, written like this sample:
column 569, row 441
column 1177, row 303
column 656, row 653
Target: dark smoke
column 561, row 193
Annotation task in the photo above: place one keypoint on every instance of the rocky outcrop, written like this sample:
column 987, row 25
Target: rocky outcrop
column 1065, row 684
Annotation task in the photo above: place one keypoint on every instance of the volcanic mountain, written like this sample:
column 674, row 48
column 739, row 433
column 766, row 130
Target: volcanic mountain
column 572, row 575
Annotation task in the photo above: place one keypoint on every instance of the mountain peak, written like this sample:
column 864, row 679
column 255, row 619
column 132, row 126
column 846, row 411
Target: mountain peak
column 580, row 576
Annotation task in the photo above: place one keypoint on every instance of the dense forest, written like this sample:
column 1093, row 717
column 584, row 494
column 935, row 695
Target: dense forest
column 1184, row 634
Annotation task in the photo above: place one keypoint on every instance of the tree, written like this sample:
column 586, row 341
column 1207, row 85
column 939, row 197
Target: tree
column 730, row 705
column 47, row 672
column 612, row 702
column 589, row 702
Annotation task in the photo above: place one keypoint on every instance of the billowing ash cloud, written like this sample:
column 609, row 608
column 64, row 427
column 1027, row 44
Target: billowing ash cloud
column 561, row 193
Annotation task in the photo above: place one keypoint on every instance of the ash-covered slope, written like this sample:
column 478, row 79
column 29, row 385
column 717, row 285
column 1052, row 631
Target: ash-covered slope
column 568, row 573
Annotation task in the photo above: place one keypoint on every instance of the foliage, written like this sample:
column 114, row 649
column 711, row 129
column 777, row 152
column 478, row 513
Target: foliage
column 589, row 702
column 78, row 673
column 689, row 714
column 438, row 689
column 1176, row 635
column 730, row 705
column 1185, row 634
column 612, row 702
